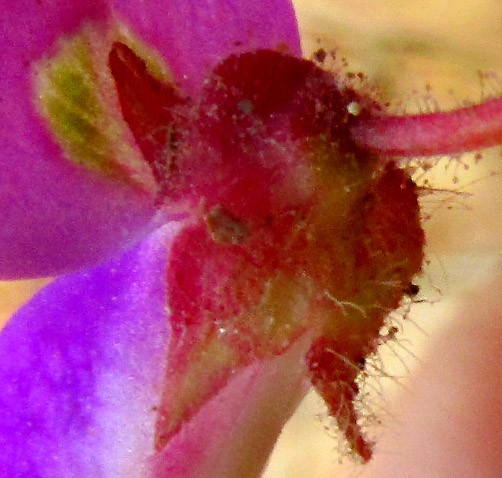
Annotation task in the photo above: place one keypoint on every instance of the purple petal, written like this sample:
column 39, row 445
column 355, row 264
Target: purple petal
column 80, row 370
column 194, row 35
column 56, row 216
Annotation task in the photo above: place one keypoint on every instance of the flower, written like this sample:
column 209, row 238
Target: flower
column 64, row 418
column 228, row 224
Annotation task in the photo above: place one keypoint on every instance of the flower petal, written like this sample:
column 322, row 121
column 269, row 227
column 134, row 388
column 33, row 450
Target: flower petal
column 81, row 368
column 193, row 35
column 234, row 433
column 81, row 371
column 56, row 215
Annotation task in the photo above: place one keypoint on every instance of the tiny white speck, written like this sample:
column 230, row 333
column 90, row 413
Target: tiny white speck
column 354, row 108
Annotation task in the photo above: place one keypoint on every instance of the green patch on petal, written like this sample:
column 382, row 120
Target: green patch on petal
column 76, row 96
column 73, row 108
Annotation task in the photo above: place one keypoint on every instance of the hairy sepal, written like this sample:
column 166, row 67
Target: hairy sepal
column 291, row 229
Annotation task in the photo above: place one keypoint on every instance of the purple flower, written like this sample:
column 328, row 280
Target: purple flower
column 229, row 225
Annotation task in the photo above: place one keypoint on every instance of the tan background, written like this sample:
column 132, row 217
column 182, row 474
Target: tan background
column 403, row 45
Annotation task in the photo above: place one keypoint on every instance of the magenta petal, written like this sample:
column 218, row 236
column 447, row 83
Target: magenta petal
column 80, row 371
column 56, row 216
column 194, row 35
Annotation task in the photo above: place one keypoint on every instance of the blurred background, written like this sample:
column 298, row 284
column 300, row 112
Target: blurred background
column 409, row 50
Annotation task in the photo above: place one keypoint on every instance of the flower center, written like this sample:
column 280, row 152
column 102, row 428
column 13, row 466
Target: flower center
column 291, row 228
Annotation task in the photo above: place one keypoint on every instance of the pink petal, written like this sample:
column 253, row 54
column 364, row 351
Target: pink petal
column 56, row 216
column 234, row 433
column 193, row 36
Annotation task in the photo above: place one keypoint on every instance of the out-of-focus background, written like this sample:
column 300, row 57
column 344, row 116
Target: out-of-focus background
column 403, row 46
